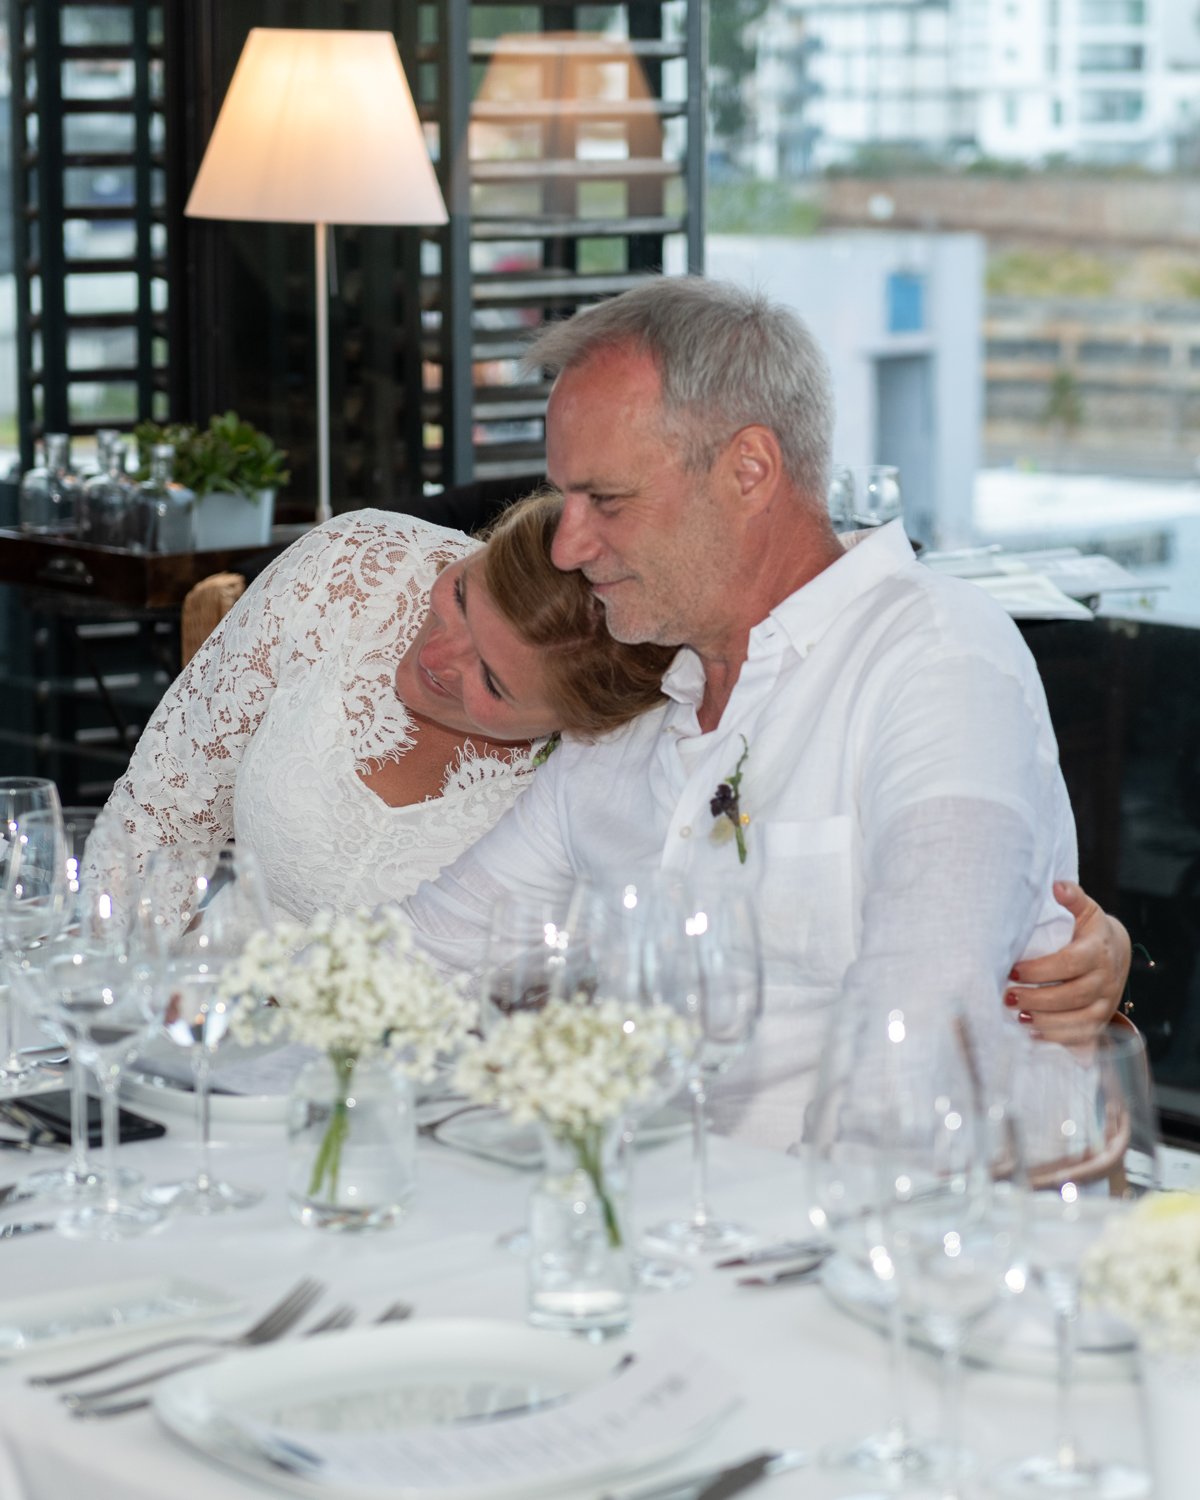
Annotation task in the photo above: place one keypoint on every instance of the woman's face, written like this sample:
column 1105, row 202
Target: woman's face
column 469, row 669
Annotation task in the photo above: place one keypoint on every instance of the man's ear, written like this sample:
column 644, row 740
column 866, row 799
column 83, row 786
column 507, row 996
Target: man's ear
column 755, row 465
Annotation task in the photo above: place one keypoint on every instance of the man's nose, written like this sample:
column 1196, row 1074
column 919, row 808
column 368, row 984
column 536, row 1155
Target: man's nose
column 574, row 544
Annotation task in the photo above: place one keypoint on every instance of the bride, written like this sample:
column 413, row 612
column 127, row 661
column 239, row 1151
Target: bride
column 370, row 707
column 381, row 694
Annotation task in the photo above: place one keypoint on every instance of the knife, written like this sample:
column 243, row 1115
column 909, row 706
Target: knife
column 11, row 1231
column 718, row 1484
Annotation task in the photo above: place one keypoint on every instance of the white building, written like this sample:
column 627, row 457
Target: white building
column 1020, row 80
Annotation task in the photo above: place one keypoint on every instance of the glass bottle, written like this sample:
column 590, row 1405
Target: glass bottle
column 166, row 509
column 108, row 512
column 48, row 496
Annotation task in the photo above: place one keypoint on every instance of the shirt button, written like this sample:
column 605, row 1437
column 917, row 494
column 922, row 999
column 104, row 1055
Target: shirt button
column 685, row 832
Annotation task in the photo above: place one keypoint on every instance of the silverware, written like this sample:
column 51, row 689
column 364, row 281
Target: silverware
column 13, row 1192
column 11, row 1231
column 720, row 1483
column 276, row 1321
column 431, row 1127
column 803, row 1270
column 397, row 1312
column 783, row 1250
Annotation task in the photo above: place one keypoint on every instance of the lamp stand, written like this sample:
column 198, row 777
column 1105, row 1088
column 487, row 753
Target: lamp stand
column 324, row 509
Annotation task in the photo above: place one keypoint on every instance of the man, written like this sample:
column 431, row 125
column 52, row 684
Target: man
column 897, row 797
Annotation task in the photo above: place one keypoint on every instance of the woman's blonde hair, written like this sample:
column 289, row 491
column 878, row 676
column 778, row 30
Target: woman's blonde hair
column 594, row 682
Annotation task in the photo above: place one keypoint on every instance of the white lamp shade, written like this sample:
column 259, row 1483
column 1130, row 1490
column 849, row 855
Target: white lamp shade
column 318, row 127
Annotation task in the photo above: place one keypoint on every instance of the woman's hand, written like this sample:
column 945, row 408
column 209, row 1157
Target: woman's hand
column 1082, row 984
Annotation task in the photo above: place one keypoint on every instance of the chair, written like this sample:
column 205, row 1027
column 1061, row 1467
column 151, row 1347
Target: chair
column 204, row 607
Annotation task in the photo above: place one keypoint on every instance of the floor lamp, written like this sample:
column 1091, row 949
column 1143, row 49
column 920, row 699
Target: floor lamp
column 318, row 127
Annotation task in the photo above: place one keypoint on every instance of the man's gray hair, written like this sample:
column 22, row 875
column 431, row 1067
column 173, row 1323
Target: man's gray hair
column 728, row 358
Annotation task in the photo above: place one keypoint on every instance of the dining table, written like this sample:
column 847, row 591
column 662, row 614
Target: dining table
column 807, row 1372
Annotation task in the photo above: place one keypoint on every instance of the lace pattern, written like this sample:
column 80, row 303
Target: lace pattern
column 266, row 731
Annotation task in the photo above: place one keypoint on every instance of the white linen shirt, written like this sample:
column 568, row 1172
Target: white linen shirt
column 907, row 813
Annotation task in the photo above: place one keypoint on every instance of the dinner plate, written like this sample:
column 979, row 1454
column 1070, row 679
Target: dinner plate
column 418, row 1405
column 28, row 1325
column 260, row 1075
column 484, row 1132
column 1018, row 1334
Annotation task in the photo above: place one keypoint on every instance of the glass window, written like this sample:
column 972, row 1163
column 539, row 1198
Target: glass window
column 1111, row 57
column 1110, row 107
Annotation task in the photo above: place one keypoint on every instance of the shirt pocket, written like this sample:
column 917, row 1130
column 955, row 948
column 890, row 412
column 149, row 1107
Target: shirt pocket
column 806, row 905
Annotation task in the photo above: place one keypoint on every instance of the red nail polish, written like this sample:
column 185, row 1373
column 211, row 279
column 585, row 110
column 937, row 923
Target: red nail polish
column 1011, row 998
column 1025, row 1018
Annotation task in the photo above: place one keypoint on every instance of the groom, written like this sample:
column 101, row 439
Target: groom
column 860, row 743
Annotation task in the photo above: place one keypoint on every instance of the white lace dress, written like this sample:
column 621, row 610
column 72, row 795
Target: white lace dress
column 266, row 731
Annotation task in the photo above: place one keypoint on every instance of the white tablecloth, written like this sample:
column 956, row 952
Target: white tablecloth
column 810, row 1374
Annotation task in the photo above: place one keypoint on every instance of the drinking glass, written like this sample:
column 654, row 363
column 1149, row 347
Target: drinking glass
column 841, row 497
column 201, row 912
column 527, row 959
column 632, row 942
column 851, row 1150
column 98, row 986
column 19, row 797
column 48, row 866
column 1090, row 1146
column 724, row 1006
column 952, row 1228
column 880, row 501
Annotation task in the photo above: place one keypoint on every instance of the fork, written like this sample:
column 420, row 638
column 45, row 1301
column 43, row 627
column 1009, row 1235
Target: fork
column 340, row 1317
column 284, row 1315
column 95, row 1407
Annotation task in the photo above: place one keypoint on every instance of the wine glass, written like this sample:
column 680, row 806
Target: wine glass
column 97, row 984
column 725, row 1006
column 952, row 1227
column 1088, row 1134
column 841, row 497
column 19, row 797
column 850, row 1147
column 528, row 957
column 48, row 868
column 632, row 942
column 201, row 914
column 881, row 500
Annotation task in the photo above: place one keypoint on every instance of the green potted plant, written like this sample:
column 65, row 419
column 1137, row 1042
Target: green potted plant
column 234, row 471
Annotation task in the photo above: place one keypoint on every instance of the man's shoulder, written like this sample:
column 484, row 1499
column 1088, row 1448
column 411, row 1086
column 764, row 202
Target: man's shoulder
column 954, row 616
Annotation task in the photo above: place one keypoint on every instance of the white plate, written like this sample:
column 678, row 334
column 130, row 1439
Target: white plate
column 159, row 1080
column 408, row 1380
column 29, row 1325
column 1017, row 1335
column 485, row 1133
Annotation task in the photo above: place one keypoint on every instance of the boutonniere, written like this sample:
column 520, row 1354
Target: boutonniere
column 548, row 748
column 726, row 807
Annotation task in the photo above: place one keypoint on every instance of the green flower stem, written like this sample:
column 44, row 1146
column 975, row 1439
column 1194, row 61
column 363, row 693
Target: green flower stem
column 328, row 1163
column 589, row 1148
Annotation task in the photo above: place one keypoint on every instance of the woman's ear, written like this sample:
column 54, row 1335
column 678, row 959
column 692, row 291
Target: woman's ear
column 756, row 466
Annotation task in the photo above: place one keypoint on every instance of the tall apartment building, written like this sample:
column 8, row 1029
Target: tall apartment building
column 1022, row 80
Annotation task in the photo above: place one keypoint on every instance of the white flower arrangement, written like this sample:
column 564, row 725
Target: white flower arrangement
column 348, row 984
column 351, row 985
column 576, row 1066
column 1145, row 1268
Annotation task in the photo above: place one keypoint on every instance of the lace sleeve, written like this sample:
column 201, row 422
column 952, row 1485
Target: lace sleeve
column 178, row 789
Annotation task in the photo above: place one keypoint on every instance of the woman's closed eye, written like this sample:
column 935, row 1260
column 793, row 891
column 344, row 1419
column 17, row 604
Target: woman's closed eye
column 489, row 682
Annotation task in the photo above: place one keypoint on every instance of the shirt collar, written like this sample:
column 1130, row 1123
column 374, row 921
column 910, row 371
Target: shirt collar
column 869, row 557
column 804, row 617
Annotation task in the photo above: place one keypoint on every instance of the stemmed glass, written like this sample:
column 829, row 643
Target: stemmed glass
column 632, row 941
column 725, row 1007
column 881, row 500
column 952, row 1226
column 97, row 985
column 20, row 796
column 46, row 878
column 200, row 915
column 528, row 957
column 1088, row 1131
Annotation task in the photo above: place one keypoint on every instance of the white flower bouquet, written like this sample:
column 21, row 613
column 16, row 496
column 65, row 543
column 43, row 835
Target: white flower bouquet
column 576, row 1066
column 1145, row 1268
column 350, row 985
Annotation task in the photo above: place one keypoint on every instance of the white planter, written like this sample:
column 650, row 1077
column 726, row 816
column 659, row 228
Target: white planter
column 1171, row 1402
column 227, row 520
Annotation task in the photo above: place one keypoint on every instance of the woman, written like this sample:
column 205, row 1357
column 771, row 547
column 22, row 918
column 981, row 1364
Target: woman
column 367, row 710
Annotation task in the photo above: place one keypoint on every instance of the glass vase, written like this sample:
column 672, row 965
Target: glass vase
column 580, row 1265
column 1170, row 1383
column 351, row 1142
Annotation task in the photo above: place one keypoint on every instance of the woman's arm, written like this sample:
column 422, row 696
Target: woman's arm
column 1081, row 985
